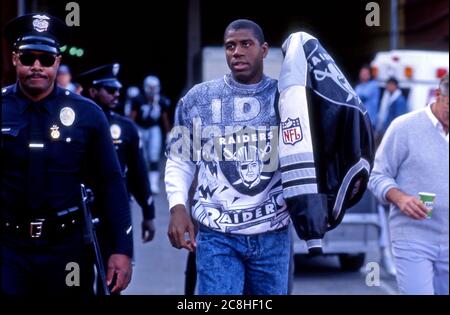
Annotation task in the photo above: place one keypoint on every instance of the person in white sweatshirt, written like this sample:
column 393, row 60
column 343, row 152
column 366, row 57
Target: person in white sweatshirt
column 227, row 129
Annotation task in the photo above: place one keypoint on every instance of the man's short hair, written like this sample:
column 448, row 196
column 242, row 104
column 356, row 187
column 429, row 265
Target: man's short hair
column 443, row 85
column 246, row 25
column 392, row 80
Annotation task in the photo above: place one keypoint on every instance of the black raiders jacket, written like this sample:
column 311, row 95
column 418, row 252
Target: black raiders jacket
column 326, row 146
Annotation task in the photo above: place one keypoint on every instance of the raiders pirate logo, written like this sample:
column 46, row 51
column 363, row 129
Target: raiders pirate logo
column 40, row 23
column 245, row 168
column 330, row 80
column 291, row 131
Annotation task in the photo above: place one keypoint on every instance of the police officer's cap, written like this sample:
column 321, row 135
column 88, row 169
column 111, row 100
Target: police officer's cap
column 101, row 76
column 63, row 69
column 41, row 32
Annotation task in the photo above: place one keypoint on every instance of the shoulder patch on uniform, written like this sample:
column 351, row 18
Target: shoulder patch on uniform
column 67, row 116
column 115, row 131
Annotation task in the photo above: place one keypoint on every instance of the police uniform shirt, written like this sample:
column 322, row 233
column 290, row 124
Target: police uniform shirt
column 76, row 148
column 126, row 140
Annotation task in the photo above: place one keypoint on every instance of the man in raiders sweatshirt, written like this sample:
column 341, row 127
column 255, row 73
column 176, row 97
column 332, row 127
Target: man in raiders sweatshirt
column 227, row 129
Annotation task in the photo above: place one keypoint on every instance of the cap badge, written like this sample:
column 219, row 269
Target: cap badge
column 54, row 132
column 115, row 131
column 67, row 116
column 40, row 23
column 115, row 69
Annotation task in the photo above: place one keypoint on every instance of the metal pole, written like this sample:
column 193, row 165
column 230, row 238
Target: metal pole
column 194, row 42
column 20, row 7
column 394, row 24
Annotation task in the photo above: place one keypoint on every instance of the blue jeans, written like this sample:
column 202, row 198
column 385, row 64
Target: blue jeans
column 243, row 264
column 151, row 139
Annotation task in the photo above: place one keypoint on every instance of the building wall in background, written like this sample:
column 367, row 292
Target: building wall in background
column 426, row 24
column 140, row 35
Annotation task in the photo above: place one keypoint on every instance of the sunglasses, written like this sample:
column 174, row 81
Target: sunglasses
column 28, row 59
column 110, row 90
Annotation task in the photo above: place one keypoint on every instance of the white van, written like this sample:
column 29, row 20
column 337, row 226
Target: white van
column 418, row 73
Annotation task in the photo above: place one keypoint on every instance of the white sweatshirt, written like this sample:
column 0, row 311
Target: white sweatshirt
column 234, row 132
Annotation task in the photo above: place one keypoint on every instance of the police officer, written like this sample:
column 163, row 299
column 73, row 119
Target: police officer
column 52, row 141
column 102, row 86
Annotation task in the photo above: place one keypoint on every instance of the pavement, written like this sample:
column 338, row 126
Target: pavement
column 159, row 268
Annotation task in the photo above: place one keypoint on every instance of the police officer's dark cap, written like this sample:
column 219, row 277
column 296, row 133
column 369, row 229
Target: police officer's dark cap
column 35, row 31
column 101, row 76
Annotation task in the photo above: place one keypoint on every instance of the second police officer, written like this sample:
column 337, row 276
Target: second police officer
column 102, row 86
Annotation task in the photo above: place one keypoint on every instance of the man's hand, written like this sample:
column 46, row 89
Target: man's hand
column 409, row 205
column 119, row 265
column 181, row 223
column 148, row 230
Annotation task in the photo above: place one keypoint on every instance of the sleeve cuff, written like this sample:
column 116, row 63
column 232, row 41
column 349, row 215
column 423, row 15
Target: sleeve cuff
column 177, row 199
column 124, row 247
column 384, row 192
column 148, row 212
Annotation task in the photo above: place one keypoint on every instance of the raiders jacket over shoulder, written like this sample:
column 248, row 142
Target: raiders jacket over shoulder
column 326, row 143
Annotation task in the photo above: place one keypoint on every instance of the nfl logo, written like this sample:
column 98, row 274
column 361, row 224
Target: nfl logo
column 292, row 131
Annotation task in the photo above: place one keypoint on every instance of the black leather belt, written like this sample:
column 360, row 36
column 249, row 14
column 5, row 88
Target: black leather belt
column 65, row 221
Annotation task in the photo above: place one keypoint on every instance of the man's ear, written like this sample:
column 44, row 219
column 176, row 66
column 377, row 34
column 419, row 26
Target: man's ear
column 437, row 93
column 265, row 48
column 92, row 92
column 58, row 61
column 15, row 58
